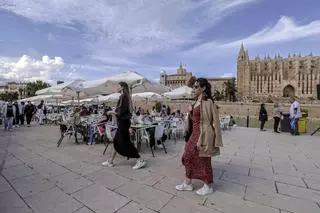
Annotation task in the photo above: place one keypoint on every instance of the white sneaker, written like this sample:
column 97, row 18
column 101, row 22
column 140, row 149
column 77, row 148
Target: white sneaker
column 205, row 190
column 184, row 187
column 108, row 163
column 139, row 164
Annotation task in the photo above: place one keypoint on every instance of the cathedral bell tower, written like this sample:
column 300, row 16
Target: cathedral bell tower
column 243, row 74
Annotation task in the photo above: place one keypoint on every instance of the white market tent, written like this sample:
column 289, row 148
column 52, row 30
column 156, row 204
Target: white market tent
column 179, row 93
column 137, row 82
column 57, row 89
column 147, row 96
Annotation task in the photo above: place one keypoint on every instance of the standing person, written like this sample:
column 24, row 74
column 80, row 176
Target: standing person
column 277, row 117
column 22, row 114
column 41, row 111
column 204, row 142
column 263, row 117
column 295, row 114
column 122, row 142
column 16, row 119
column 29, row 111
column 9, row 113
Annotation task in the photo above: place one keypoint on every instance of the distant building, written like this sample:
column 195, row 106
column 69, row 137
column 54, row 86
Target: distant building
column 182, row 77
column 179, row 79
column 13, row 87
column 277, row 77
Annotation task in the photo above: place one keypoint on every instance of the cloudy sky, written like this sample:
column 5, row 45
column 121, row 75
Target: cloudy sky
column 70, row 39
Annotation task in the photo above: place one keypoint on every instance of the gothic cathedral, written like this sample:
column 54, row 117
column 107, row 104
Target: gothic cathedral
column 278, row 77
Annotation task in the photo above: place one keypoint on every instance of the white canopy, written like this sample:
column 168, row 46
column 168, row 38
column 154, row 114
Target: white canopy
column 110, row 98
column 43, row 97
column 150, row 96
column 101, row 98
column 136, row 81
column 57, row 89
column 179, row 93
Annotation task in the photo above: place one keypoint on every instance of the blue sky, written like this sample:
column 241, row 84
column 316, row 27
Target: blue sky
column 98, row 38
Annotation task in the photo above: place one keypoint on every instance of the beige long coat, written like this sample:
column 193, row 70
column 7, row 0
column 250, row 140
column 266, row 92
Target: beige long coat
column 210, row 131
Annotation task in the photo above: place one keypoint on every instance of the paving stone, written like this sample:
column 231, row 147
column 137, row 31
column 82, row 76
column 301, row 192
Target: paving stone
column 108, row 178
column 180, row 205
column 53, row 201
column 11, row 161
column 297, row 181
column 313, row 184
column 84, row 210
column 262, row 173
column 10, row 202
column 17, row 172
column 299, row 192
column 279, row 201
column 70, row 182
column 221, row 201
column 4, row 185
column 146, row 195
column 31, row 185
column 83, row 168
column 228, row 187
column 100, row 199
column 134, row 207
column 258, row 183
column 50, row 169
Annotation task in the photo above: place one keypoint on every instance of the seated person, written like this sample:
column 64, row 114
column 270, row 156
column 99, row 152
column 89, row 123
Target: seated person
column 145, row 118
column 179, row 114
column 232, row 121
column 84, row 112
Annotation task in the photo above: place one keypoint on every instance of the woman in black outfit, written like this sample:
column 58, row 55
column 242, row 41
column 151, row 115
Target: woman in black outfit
column 121, row 142
column 263, row 117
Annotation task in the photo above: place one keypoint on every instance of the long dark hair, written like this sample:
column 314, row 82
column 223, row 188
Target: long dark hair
column 126, row 92
column 125, row 87
column 204, row 83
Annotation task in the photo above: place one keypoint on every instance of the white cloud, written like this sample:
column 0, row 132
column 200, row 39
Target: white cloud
column 226, row 75
column 285, row 30
column 130, row 27
column 30, row 69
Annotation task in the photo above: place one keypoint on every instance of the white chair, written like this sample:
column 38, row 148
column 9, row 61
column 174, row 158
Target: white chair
column 144, row 135
column 158, row 135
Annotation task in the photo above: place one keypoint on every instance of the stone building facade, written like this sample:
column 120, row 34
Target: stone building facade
column 12, row 87
column 219, row 83
column 179, row 79
column 277, row 77
column 182, row 77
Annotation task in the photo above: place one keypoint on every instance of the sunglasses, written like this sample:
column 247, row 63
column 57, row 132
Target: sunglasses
column 196, row 86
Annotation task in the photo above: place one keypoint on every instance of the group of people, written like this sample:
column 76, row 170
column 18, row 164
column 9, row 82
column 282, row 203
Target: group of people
column 294, row 111
column 15, row 114
column 203, row 136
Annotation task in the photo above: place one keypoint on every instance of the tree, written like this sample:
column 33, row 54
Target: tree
column 230, row 90
column 191, row 81
column 217, row 95
column 9, row 96
column 20, row 92
column 33, row 87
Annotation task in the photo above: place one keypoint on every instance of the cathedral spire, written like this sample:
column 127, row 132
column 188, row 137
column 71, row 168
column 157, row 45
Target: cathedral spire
column 243, row 54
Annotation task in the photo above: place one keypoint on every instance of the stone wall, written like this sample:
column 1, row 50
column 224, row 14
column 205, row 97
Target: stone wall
column 241, row 110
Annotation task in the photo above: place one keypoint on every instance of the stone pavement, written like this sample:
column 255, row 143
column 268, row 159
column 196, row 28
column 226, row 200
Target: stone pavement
column 257, row 172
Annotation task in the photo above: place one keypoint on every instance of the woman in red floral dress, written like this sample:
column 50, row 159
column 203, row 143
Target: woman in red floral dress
column 197, row 167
